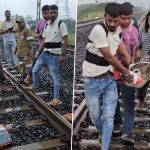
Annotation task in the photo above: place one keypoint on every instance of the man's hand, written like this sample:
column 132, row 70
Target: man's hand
column 112, row 60
column 7, row 30
column 37, row 54
column 10, row 29
column 137, row 56
column 14, row 31
column 124, row 54
column 129, row 78
column 62, row 59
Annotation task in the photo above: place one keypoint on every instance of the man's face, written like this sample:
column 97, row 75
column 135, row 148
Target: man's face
column 46, row 14
column 125, row 20
column 112, row 23
column 21, row 24
column 53, row 14
column 7, row 15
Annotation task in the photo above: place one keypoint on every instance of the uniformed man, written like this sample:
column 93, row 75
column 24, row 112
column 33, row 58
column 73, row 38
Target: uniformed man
column 39, row 31
column 24, row 46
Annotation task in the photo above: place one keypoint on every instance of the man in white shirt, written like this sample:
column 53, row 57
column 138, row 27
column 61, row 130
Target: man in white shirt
column 8, row 28
column 53, row 50
column 100, row 85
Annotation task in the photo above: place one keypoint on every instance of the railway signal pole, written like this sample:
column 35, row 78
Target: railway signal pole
column 97, row 8
column 38, row 10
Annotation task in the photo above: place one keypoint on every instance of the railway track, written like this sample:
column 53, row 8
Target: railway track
column 85, row 135
column 88, row 23
column 34, row 124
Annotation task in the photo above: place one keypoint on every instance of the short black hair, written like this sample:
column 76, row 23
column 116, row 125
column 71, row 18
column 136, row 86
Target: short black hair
column 7, row 11
column 112, row 9
column 126, row 8
column 53, row 7
column 45, row 7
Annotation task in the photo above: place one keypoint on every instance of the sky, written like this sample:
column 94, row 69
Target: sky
column 25, row 7
column 141, row 3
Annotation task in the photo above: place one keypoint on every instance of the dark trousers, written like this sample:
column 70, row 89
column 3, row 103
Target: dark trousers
column 2, row 77
column 117, row 118
column 141, row 92
column 128, row 94
column 30, row 71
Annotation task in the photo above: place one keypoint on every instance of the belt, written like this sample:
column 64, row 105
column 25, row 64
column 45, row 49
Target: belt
column 52, row 45
column 50, row 53
column 105, row 75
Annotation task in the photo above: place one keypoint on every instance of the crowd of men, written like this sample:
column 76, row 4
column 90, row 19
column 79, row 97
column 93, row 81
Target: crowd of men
column 114, row 45
column 18, row 47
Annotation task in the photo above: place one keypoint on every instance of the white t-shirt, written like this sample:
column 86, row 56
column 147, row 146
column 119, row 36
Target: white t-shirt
column 53, row 33
column 100, row 40
column 10, row 36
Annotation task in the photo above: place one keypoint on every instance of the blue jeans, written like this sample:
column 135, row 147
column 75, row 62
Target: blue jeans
column 30, row 71
column 52, row 62
column 128, row 94
column 102, row 92
column 9, row 47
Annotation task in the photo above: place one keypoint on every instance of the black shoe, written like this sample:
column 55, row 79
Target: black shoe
column 126, row 139
column 116, row 133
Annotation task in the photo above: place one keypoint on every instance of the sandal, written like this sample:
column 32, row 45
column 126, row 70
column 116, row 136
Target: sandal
column 23, row 82
column 55, row 102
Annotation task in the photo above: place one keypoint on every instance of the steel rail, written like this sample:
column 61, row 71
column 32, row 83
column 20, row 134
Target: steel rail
column 79, row 115
column 57, row 121
column 89, row 23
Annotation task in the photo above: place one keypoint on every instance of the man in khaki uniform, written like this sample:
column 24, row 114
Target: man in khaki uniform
column 24, row 46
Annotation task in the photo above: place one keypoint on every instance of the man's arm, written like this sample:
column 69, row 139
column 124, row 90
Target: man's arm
column 64, row 45
column 39, row 36
column 64, row 34
column 3, row 31
column 14, row 31
column 124, row 54
column 15, row 27
column 38, row 32
column 113, row 61
column 40, row 49
column 137, row 55
column 2, row 28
